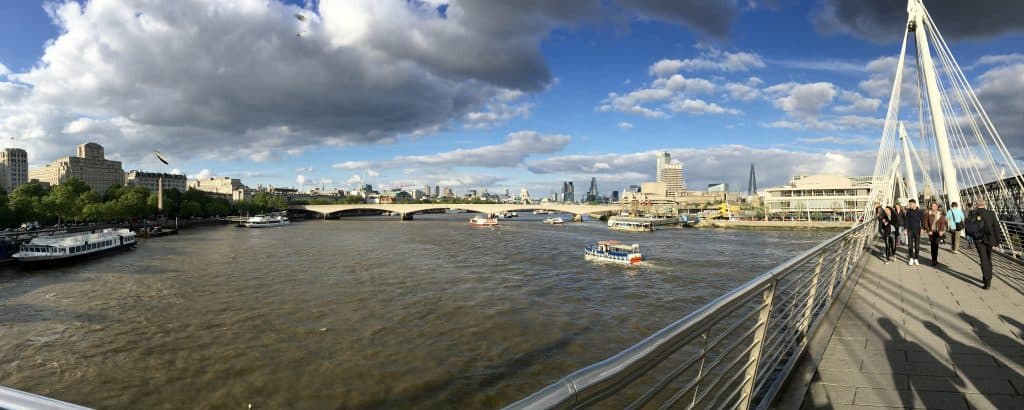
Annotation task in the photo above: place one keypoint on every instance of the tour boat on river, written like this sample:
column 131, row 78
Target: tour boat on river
column 482, row 221
column 554, row 221
column 614, row 251
column 266, row 221
column 51, row 248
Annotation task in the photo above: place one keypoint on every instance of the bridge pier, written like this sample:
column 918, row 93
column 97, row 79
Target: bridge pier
column 577, row 218
column 407, row 216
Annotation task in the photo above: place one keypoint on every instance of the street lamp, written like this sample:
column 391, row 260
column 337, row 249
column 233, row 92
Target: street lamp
column 160, row 184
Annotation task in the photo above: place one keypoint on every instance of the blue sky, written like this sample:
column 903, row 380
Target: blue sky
column 486, row 95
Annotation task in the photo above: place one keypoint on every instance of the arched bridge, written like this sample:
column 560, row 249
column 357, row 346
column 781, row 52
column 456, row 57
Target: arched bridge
column 407, row 210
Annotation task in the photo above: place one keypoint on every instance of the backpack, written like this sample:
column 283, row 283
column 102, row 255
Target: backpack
column 973, row 226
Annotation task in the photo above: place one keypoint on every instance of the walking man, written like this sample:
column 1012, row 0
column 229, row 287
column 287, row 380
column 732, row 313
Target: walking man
column 986, row 240
column 912, row 225
column 935, row 224
column 955, row 217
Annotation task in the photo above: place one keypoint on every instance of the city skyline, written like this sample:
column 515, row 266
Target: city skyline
column 594, row 91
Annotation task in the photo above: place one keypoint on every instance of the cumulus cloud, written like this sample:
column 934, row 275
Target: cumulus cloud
column 726, row 163
column 4, row 70
column 802, row 100
column 504, row 106
column 517, row 146
column 699, row 107
column 1001, row 92
column 626, row 125
column 710, row 59
column 354, row 179
column 673, row 93
column 884, row 21
column 306, row 170
column 205, row 173
column 1000, row 59
column 855, row 102
column 371, row 172
column 176, row 75
column 300, row 180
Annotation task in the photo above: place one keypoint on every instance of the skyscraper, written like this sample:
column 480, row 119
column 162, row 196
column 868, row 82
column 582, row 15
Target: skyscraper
column 568, row 192
column 592, row 192
column 752, row 183
column 672, row 175
column 437, row 191
column 663, row 159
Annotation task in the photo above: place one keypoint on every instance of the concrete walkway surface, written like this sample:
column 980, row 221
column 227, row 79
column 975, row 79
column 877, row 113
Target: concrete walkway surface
column 926, row 337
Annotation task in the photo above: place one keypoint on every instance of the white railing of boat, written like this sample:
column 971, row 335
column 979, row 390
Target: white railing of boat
column 734, row 352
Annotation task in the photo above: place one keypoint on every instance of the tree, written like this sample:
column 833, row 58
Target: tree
column 64, row 200
column 26, row 202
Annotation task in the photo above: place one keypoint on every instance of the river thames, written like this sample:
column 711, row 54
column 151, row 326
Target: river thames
column 358, row 312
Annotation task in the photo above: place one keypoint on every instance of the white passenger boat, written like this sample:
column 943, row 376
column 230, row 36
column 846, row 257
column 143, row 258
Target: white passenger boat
column 266, row 221
column 481, row 221
column 613, row 251
column 630, row 226
column 554, row 221
column 51, row 248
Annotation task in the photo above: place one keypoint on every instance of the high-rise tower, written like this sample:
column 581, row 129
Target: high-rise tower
column 752, row 183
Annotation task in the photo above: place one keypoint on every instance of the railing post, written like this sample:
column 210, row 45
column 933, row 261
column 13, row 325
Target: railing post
column 755, row 353
column 812, row 295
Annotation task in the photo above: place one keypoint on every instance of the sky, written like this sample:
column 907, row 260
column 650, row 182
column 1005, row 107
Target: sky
column 481, row 94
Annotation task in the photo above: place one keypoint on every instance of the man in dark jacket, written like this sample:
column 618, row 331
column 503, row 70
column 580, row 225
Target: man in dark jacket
column 989, row 238
column 912, row 224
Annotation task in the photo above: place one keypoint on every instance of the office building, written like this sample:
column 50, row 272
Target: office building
column 88, row 165
column 592, row 194
column 615, row 196
column 568, row 192
column 228, row 188
column 151, row 180
column 663, row 159
column 13, row 168
column 633, row 188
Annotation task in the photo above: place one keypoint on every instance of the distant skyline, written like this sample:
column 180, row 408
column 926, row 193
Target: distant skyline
column 481, row 94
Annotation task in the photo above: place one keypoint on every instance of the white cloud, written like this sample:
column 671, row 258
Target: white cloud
column 626, row 125
column 857, row 102
column 699, row 107
column 725, row 163
column 742, row 92
column 674, row 93
column 205, row 173
column 175, row 171
column 351, row 165
column 371, row 172
column 354, row 179
column 801, row 100
column 1001, row 59
column 517, row 146
column 710, row 59
column 300, row 180
column 838, row 140
column 504, row 106
column 1001, row 92
column 4, row 70
column 306, row 170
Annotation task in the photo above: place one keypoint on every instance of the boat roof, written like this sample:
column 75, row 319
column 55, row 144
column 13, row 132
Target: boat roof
column 74, row 238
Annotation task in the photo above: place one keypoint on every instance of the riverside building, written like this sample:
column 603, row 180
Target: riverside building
column 151, row 180
column 89, row 166
column 832, row 196
column 13, row 168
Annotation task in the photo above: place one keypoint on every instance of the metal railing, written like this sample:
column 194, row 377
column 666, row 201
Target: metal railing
column 734, row 352
column 1011, row 238
column 16, row 400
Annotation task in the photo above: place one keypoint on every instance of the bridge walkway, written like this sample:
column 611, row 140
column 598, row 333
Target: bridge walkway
column 926, row 337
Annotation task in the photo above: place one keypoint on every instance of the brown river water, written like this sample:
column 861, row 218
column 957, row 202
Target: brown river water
column 365, row 312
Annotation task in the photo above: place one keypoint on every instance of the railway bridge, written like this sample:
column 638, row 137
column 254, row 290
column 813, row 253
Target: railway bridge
column 408, row 210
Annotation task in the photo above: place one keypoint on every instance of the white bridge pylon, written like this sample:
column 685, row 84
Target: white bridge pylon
column 957, row 138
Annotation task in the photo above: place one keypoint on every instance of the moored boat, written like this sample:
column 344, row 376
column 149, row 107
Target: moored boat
column 630, row 226
column 52, row 248
column 614, row 251
column 554, row 221
column 482, row 221
column 266, row 221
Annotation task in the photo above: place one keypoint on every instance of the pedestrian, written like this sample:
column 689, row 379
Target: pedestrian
column 912, row 223
column 955, row 216
column 885, row 222
column 935, row 224
column 878, row 223
column 898, row 217
column 985, row 237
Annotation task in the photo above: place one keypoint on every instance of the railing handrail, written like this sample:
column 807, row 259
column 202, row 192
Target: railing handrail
column 16, row 400
column 596, row 380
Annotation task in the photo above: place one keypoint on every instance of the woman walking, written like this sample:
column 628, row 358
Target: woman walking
column 935, row 224
column 885, row 228
column 898, row 221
